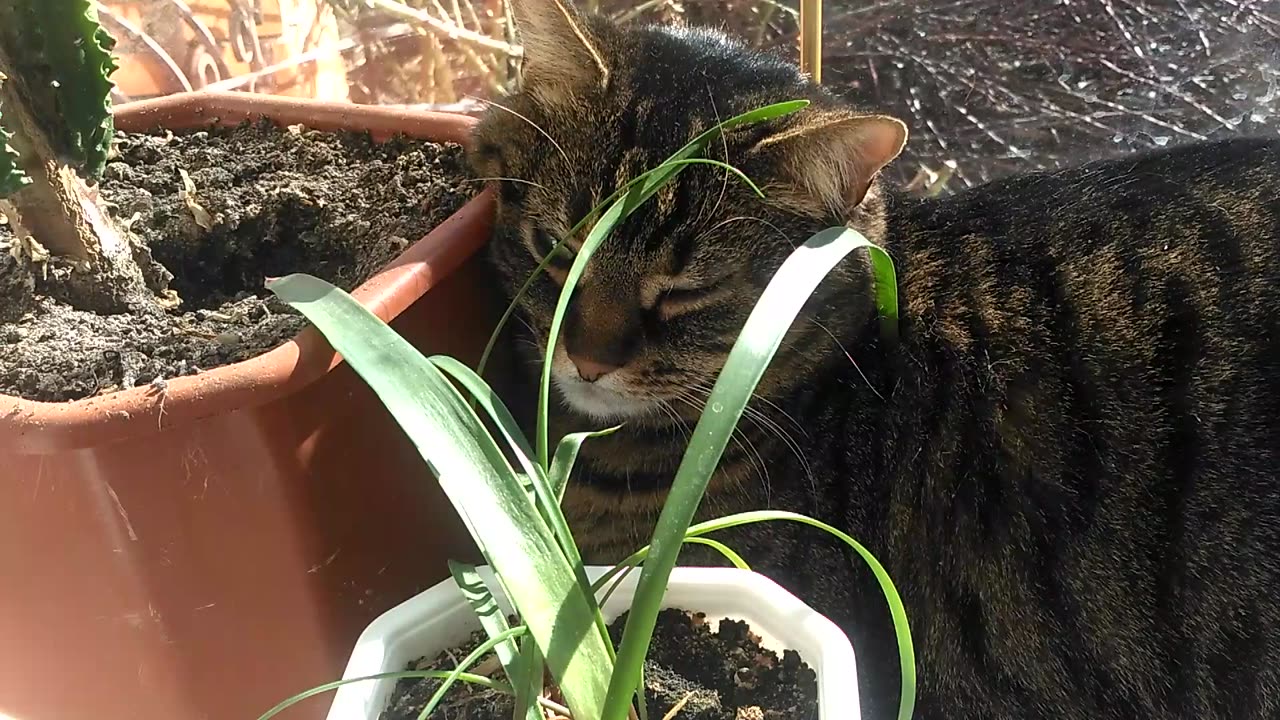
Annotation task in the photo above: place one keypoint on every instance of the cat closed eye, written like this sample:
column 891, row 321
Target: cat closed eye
column 679, row 301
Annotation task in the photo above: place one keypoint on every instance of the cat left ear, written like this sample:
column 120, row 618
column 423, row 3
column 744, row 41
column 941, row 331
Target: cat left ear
column 561, row 56
column 833, row 157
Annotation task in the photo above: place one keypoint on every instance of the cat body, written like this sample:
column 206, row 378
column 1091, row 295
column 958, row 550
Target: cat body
column 1069, row 462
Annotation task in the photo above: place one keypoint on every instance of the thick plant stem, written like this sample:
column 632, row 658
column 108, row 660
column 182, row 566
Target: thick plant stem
column 64, row 215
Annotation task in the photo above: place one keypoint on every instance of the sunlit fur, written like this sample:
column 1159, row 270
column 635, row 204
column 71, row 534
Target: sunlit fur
column 1070, row 464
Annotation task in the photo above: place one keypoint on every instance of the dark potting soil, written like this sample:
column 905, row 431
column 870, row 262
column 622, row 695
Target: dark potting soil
column 268, row 201
column 725, row 675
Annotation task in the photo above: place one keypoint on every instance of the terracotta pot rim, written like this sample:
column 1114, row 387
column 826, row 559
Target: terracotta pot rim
column 35, row 426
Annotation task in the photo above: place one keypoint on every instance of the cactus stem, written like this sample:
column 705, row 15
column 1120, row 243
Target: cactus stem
column 63, row 213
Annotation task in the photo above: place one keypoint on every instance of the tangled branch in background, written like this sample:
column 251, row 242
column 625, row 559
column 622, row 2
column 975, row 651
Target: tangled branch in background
column 1001, row 86
column 988, row 87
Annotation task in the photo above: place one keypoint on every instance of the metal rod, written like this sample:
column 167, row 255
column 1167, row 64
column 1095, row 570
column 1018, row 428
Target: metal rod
column 811, row 38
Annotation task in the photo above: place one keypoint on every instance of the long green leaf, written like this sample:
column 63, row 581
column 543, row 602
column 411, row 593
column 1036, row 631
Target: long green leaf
column 534, row 479
column 493, row 406
column 885, row 279
column 721, row 548
column 621, row 570
column 745, row 365
column 475, row 475
column 545, row 497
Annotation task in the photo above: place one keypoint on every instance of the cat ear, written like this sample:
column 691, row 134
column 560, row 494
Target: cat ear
column 561, row 58
column 832, row 157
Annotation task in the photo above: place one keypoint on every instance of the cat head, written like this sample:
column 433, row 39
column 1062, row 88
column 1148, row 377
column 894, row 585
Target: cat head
column 663, row 299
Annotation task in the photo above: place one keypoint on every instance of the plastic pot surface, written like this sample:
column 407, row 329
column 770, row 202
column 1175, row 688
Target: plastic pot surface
column 440, row 619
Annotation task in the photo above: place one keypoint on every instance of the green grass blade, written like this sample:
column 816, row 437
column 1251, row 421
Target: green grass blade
column 902, row 629
column 755, row 347
column 566, row 454
column 640, row 182
column 598, row 233
column 484, row 396
column 483, row 649
column 751, row 117
column 623, row 572
column 487, row 611
column 480, row 680
column 534, row 477
column 528, row 683
column 885, row 280
column 651, row 181
column 624, row 568
column 721, row 548
column 480, row 483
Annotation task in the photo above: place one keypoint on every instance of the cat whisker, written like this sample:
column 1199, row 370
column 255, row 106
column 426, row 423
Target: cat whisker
column 741, row 439
column 768, row 425
column 526, row 324
column 794, row 423
column 755, row 395
column 532, row 124
column 505, row 179
column 724, row 184
column 740, row 218
column 672, row 413
column 532, row 338
column 848, row 355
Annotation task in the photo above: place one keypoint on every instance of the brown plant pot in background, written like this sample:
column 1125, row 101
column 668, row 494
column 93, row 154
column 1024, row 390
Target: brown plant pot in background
column 210, row 550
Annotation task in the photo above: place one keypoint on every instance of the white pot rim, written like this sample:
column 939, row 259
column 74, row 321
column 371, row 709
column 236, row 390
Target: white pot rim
column 440, row 617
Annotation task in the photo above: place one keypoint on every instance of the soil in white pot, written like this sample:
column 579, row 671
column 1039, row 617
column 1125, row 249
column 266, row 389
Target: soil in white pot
column 268, row 201
column 726, row 675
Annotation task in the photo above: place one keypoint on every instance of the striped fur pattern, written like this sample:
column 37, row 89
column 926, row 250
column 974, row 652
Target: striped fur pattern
column 1070, row 463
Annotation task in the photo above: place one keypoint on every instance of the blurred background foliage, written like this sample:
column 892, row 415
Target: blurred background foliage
column 988, row 87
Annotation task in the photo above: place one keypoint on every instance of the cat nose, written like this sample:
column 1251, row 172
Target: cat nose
column 591, row 370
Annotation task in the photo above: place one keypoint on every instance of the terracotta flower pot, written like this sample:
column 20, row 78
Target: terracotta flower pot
column 206, row 551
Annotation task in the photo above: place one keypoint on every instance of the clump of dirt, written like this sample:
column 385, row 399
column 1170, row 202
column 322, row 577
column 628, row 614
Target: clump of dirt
column 222, row 210
column 712, row 675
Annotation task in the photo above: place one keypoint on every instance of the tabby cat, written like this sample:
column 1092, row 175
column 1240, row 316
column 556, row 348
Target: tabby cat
column 1069, row 462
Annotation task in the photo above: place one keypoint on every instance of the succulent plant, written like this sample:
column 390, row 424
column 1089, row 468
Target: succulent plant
column 55, row 136
column 12, row 179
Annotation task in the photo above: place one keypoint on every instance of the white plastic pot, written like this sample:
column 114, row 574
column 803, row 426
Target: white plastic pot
column 440, row 618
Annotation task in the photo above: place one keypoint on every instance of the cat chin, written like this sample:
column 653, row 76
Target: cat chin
column 600, row 403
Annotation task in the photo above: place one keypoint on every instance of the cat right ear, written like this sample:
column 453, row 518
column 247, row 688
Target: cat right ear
column 829, row 159
column 561, row 58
